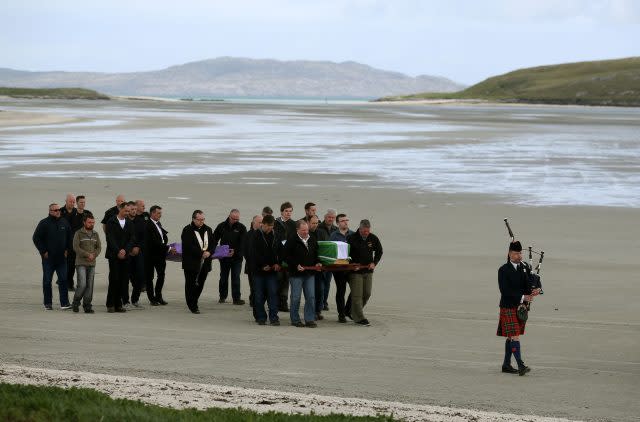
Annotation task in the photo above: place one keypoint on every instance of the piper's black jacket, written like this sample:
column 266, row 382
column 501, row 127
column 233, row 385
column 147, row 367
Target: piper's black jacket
column 191, row 251
column 155, row 247
column 295, row 252
column 364, row 251
column 265, row 250
column 232, row 235
column 119, row 237
column 53, row 235
column 513, row 284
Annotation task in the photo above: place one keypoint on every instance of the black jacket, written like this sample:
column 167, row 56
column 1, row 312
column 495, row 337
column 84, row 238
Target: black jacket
column 246, row 250
column 319, row 235
column 155, row 247
column 324, row 232
column 296, row 253
column 364, row 251
column 118, row 237
column 191, row 250
column 284, row 229
column 111, row 212
column 265, row 250
column 139, row 227
column 513, row 285
column 53, row 236
column 232, row 235
column 73, row 218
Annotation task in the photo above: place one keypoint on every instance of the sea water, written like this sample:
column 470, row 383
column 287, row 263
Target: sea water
column 530, row 155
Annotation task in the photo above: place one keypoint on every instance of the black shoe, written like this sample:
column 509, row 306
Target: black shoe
column 195, row 311
column 342, row 319
column 120, row 310
column 262, row 322
column 325, row 307
column 509, row 370
column 76, row 307
column 48, row 307
column 364, row 322
column 111, row 309
column 275, row 323
column 154, row 303
column 523, row 370
column 221, row 300
column 319, row 317
column 161, row 301
column 89, row 311
column 311, row 324
column 298, row 324
column 238, row 302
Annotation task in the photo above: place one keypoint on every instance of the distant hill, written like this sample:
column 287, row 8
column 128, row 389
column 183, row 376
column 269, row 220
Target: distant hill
column 605, row 82
column 240, row 77
column 53, row 93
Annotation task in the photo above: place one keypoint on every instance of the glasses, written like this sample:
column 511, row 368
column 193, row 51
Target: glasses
column 199, row 219
column 54, row 210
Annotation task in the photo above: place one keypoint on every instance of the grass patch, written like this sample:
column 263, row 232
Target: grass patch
column 605, row 82
column 27, row 403
column 53, row 93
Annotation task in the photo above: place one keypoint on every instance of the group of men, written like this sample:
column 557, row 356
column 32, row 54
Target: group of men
column 280, row 254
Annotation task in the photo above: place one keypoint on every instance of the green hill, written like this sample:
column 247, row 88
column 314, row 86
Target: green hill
column 606, row 82
column 53, row 93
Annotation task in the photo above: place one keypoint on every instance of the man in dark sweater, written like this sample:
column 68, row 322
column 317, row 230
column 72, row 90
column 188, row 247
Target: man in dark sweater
column 256, row 223
column 53, row 240
column 230, row 232
column 284, row 227
column 265, row 264
column 120, row 241
column 366, row 250
column 514, row 291
column 301, row 252
column 70, row 213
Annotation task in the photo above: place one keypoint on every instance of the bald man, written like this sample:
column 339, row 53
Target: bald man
column 70, row 213
column 112, row 212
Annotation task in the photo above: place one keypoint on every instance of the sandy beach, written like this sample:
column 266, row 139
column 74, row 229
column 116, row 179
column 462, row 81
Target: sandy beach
column 434, row 305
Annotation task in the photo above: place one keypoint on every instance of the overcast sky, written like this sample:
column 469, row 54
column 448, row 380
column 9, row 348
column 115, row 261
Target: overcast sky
column 466, row 41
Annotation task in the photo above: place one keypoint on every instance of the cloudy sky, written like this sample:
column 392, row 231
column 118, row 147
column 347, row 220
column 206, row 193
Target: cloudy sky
column 465, row 40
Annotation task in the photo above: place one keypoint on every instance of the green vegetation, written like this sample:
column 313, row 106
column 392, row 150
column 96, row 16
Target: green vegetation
column 53, row 93
column 606, row 82
column 49, row 404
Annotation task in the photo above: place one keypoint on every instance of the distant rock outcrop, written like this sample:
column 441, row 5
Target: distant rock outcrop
column 241, row 77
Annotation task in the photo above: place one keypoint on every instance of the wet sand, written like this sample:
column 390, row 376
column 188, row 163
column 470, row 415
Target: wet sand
column 433, row 309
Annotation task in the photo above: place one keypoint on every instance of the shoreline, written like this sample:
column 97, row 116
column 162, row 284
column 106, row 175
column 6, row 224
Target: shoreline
column 184, row 395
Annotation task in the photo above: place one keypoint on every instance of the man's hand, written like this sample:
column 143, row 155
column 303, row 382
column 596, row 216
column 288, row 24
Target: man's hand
column 172, row 251
column 45, row 255
column 91, row 257
column 206, row 254
column 276, row 267
column 266, row 268
column 300, row 268
column 135, row 251
column 318, row 266
column 528, row 298
column 122, row 254
column 231, row 252
column 372, row 266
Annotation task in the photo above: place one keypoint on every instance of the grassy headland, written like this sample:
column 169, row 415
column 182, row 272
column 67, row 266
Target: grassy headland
column 34, row 403
column 605, row 82
column 53, row 93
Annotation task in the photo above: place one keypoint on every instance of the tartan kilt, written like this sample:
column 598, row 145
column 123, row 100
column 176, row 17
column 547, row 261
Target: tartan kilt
column 509, row 325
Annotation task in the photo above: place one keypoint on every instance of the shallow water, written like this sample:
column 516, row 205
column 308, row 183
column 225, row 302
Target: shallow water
column 530, row 155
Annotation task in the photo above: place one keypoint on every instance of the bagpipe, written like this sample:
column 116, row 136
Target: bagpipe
column 533, row 274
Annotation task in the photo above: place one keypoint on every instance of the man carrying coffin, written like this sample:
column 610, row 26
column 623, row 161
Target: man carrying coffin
column 514, row 291
column 197, row 247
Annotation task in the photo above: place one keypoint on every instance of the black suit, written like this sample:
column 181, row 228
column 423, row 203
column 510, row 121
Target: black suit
column 118, row 238
column 195, row 268
column 513, row 285
column 155, row 258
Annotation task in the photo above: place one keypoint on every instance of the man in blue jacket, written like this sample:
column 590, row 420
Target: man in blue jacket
column 53, row 238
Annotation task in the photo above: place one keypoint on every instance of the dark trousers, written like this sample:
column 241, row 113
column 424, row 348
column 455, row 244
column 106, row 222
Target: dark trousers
column 265, row 290
column 319, row 291
column 283, row 289
column 158, row 265
column 251, row 289
column 326, row 286
column 233, row 267
column 118, row 281
column 136, row 276
column 193, row 285
column 341, row 279
column 71, row 268
column 60, row 268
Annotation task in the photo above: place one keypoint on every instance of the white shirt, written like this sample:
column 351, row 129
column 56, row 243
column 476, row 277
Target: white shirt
column 158, row 228
column 305, row 241
column 122, row 222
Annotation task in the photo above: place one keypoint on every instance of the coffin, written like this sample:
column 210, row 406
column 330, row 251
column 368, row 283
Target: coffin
column 332, row 252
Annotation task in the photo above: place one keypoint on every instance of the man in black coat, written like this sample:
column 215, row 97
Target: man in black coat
column 366, row 250
column 70, row 213
column 120, row 241
column 53, row 240
column 155, row 255
column 515, row 291
column 197, row 248
column 111, row 212
column 301, row 252
column 230, row 232
column 256, row 223
column 265, row 248
column 284, row 227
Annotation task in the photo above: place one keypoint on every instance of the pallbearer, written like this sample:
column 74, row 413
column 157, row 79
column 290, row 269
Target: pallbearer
column 515, row 290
